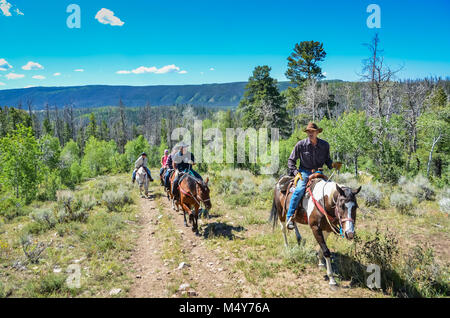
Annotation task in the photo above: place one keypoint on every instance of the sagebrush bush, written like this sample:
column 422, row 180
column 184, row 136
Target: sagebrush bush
column 267, row 185
column 44, row 216
column 419, row 187
column 87, row 202
column 444, row 200
column 444, row 205
column 295, row 255
column 372, row 194
column 346, row 178
column 425, row 277
column 403, row 202
column 116, row 200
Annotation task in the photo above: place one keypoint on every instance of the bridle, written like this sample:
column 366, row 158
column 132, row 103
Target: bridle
column 337, row 230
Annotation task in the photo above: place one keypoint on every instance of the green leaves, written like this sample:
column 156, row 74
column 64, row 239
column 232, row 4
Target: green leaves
column 21, row 161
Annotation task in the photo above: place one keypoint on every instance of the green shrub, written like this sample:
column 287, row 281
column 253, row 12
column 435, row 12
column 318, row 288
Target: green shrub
column 419, row 187
column 116, row 200
column 402, row 202
column 425, row 277
column 372, row 194
column 299, row 255
column 51, row 284
column 45, row 217
column 11, row 207
column 48, row 188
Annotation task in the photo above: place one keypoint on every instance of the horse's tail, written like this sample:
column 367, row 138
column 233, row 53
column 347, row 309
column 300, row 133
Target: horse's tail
column 273, row 214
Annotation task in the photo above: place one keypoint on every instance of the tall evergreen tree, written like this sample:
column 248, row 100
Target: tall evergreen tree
column 262, row 104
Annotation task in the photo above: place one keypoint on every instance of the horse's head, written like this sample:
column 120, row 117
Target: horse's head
column 203, row 193
column 346, row 206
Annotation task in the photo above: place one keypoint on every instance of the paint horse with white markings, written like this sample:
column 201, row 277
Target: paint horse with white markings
column 327, row 207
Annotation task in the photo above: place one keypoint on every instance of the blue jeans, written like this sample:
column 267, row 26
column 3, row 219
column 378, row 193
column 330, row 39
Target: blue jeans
column 166, row 178
column 148, row 172
column 298, row 193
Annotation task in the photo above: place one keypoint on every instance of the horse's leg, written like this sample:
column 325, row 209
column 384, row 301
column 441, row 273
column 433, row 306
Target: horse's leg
column 284, row 230
column 320, row 252
column 297, row 234
column 196, row 207
column 318, row 234
column 185, row 209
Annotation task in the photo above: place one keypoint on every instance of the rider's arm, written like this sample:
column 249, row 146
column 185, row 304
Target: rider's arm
column 328, row 161
column 292, row 161
column 138, row 162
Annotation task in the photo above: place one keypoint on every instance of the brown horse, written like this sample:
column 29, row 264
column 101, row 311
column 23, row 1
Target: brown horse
column 332, row 208
column 193, row 193
column 170, row 195
column 161, row 176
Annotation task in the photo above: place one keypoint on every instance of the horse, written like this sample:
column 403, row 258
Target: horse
column 142, row 180
column 193, row 192
column 170, row 195
column 161, row 176
column 336, row 213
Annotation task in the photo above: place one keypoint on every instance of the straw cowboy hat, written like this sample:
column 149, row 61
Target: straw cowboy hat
column 312, row 126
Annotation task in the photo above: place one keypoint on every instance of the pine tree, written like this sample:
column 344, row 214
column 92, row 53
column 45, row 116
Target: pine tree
column 262, row 104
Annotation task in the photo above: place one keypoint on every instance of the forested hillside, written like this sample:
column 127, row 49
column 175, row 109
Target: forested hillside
column 227, row 94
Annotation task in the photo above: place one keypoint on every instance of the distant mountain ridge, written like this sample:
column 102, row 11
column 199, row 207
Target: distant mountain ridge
column 214, row 95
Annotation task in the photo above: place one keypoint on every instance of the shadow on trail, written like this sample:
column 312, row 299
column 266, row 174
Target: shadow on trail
column 153, row 196
column 220, row 229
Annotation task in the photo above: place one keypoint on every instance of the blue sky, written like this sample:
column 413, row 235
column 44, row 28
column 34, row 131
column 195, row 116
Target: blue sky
column 197, row 41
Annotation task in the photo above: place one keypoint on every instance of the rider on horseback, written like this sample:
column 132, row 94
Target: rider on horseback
column 183, row 161
column 313, row 154
column 141, row 162
column 164, row 161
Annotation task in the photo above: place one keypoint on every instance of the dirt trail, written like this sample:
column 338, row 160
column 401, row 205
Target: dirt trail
column 205, row 273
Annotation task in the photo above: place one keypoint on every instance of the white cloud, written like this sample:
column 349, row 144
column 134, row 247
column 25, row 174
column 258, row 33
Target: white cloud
column 6, row 7
column 4, row 65
column 106, row 16
column 29, row 86
column 32, row 66
column 56, row 74
column 182, row 72
column 13, row 76
column 79, row 70
column 1, row 84
column 143, row 69
column 324, row 73
column 212, row 69
column 39, row 77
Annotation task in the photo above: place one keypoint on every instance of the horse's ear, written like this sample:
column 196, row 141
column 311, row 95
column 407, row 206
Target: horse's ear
column 207, row 180
column 356, row 191
column 341, row 192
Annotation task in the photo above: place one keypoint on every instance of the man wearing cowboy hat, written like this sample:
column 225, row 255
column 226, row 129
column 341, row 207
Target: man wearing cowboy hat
column 313, row 154
column 182, row 162
column 141, row 161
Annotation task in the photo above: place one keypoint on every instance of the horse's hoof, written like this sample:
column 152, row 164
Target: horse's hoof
column 334, row 287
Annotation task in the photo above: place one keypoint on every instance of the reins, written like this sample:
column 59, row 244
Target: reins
column 190, row 194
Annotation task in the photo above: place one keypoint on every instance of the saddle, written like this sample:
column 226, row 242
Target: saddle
column 286, row 185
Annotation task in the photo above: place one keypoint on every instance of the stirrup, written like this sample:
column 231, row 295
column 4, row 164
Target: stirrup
column 291, row 220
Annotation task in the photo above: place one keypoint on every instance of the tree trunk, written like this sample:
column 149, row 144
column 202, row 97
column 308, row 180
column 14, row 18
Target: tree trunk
column 430, row 157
